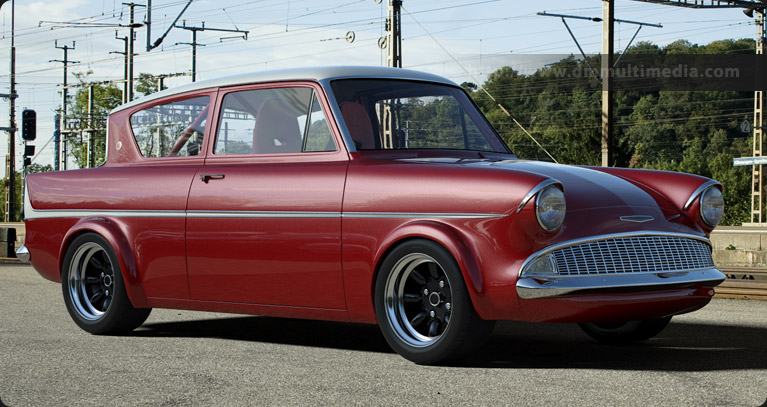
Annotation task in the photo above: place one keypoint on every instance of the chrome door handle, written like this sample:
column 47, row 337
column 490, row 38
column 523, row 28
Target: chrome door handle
column 207, row 177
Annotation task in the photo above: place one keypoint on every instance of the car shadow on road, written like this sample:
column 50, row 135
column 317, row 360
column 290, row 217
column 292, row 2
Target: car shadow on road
column 322, row 334
column 684, row 347
column 680, row 347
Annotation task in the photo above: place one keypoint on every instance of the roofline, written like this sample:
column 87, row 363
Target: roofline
column 315, row 74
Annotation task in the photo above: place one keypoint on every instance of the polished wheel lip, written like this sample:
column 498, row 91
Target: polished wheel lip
column 80, row 270
column 394, row 299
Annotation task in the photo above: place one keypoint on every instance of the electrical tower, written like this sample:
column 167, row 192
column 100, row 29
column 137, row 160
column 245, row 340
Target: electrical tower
column 757, row 176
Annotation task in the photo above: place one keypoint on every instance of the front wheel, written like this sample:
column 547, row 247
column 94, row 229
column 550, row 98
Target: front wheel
column 423, row 307
column 621, row 333
column 93, row 288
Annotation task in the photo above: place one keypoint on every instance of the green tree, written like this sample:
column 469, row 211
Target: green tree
column 147, row 84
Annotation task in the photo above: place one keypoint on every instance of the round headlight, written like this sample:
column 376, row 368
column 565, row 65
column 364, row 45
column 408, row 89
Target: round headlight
column 711, row 206
column 550, row 208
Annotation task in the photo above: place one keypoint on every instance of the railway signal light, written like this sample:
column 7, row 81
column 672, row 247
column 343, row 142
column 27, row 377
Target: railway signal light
column 29, row 151
column 28, row 125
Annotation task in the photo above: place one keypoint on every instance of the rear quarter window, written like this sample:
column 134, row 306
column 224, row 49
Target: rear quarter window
column 174, row 129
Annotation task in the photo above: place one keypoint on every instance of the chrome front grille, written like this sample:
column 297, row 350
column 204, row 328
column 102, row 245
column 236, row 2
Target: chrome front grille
column 634, row 254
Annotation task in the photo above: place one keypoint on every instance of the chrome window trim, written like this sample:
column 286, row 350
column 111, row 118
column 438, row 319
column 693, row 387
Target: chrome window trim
column 337, row 116
column 535, row 190
column 575, row 242
column 706, row 185
column 314, row 74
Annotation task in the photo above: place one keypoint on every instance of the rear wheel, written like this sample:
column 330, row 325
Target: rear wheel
column 423, row 307
column 620, row 333
column 93, row 288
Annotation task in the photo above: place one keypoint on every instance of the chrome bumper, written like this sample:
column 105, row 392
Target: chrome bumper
column 548, row 287
column 23, row 254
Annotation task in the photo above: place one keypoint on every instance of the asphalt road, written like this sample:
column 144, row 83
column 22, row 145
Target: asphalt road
column 715, row 357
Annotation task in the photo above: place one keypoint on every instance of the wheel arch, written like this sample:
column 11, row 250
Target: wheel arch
column 118, row 240
column 447, row 237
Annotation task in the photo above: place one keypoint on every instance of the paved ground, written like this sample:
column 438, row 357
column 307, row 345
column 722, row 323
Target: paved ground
column 716, row 357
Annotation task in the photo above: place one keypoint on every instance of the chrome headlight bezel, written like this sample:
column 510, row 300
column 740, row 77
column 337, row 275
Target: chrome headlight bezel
column 550, row 208
column 711, row 206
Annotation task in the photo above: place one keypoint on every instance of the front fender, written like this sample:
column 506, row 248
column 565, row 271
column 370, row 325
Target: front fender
column 450, row 238
column 113, row 232
column 445, row 235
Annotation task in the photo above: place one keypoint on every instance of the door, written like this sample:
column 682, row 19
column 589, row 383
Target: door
column 264, row 212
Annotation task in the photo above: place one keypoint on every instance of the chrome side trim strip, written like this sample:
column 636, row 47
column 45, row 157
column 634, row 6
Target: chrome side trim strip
column 699, row 191
column 534, row 191
column 82, row 213
column 533, row 288
column 261, row 214
column 406, row 215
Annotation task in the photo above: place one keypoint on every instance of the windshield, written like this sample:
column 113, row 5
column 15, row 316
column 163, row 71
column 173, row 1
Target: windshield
column 402, row 115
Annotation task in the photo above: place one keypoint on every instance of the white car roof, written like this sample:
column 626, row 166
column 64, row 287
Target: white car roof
column 295, row 74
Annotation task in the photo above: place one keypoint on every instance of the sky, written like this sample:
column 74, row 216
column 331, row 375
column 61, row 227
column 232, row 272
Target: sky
column 463, row 40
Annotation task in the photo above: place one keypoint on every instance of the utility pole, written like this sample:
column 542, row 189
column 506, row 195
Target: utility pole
column 194, row 42
column 62, row 159
column 126, row 82
column 10, row 160
column 393, row 45
column 394, row 35
column 91, row 130
column 56, row 140
column 608, row 50
column 129, row 51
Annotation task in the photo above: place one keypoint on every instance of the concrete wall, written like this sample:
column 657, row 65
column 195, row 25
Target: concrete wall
column 21, row 232
column 738, row 246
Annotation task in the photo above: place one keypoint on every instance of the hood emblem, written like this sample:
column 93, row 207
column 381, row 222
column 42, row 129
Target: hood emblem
column 637, row 218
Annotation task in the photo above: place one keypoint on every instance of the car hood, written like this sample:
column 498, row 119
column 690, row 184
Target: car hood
column 595, row 200
column 584, row 188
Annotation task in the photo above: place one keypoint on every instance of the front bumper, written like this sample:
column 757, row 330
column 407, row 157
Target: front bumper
column 549, row 287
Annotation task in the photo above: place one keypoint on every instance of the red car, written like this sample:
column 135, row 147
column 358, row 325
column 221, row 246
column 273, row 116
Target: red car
column 363, row 194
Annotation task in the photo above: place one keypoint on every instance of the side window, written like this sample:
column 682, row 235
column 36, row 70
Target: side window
column 173, row 129
column 272, row 121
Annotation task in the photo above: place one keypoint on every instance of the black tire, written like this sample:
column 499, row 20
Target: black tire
column 423, row 307
column 623, row 333
column 93, row 288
